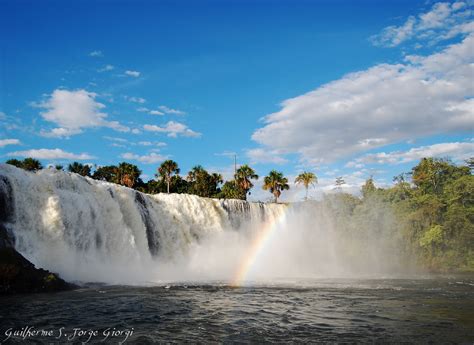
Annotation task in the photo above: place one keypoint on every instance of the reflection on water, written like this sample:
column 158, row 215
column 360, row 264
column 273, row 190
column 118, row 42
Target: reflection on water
column 426, row 310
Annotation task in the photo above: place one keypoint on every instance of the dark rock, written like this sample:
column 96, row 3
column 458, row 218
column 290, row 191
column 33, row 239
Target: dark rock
column 18, row 275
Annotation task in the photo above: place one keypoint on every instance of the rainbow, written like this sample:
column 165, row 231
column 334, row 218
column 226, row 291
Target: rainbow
column 256, row 248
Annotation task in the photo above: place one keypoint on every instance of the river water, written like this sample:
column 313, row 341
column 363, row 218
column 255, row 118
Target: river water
column 431, row 310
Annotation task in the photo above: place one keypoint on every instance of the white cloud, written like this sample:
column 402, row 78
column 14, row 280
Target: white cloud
column 96, row 53
column 106, row 68
column 5, row 142
column 138, row 100
column 151, row 143
column 50, row 154
column 147, row 159
column 155, row 112
column 173, row 130
column 149, row 111
column 443, row 21
column 457, row 151
column 74, row 110
column 265, row 156
column 120, row 140
column 134, row 74
column 226, row 154
column 167, row 110
column 378, row 106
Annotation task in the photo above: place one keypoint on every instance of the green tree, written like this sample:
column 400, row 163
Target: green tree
column 166, row 170
column 58, row 167
column 201, row 183
column 128, row 174
column 107, row 173
column 432, row 174
column 275, row 182
column 15, row 162
column 307, row 179
column 78, row 168
column 243, row 177
column 230, row 190
column 32, row 164
column 368, row 188
column 29, row 164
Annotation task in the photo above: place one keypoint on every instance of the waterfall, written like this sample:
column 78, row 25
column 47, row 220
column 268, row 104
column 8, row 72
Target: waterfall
column 95, row 231
column 88, row 230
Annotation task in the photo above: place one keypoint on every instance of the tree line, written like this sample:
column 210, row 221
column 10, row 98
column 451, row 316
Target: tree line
column 428, row 214
column 198, row 181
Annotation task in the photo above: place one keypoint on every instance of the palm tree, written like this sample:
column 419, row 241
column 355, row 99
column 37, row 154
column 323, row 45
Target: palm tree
column 194, row 173
column 275, row 182
column 79, row 168
column 242, row 176
column 31, row 164
column 306, row 178
column 216, row 179
column 128, row 174
column 166, row 170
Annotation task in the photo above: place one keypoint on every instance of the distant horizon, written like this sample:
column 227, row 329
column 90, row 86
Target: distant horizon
column 338, row 89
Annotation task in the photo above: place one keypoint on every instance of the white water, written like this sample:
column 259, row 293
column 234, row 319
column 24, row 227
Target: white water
column 94, row 231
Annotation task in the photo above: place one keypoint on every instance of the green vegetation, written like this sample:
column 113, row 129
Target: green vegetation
column 307, row 179
column 166, row 171
column 243, row 177
column 78, row 168
column 428, row 212
column 275, row 182
column 431, row 219
column 29, row 164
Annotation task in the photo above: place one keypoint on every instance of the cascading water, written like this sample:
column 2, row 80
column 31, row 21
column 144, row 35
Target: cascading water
column 93, row 231
column 89, row 230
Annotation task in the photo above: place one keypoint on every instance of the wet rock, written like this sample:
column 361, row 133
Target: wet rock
column 18, row 275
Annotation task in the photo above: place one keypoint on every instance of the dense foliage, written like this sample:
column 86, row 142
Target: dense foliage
column 430, row 220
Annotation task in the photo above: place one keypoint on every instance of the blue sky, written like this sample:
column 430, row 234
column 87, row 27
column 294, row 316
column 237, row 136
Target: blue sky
column 340, row 88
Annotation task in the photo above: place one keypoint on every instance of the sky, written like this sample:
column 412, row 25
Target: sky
column 340, row 88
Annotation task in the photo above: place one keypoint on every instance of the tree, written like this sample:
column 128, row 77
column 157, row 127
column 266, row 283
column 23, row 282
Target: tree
column 78, row 168
column 306, row 178
column 368, row 188
column 470, row 163
column 15, row 162
column 166, row 170
column 243, row 177
column 107, row 173
column 275, row 182
column 32, row 164
column 128, row 174
column 432, row 174
column 339, row 182
column 29, row 164
column 58, row 167
column 201, row 183
column 230, row 190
